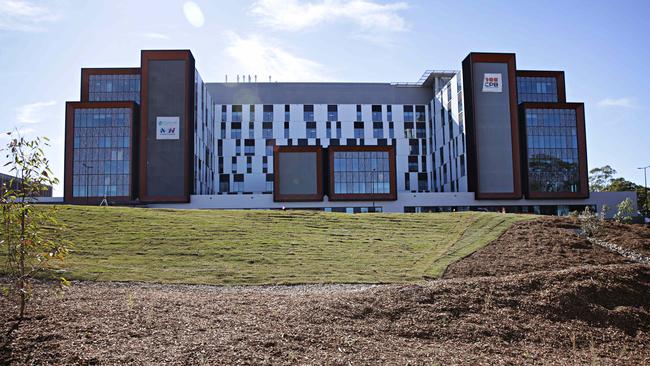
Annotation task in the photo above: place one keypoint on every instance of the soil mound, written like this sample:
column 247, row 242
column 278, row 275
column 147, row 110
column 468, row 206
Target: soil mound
column 544, row 244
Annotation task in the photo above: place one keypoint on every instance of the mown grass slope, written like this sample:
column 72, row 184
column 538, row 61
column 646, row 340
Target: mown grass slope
column 269, row 247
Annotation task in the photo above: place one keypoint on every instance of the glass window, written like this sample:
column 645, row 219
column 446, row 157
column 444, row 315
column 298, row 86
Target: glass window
column 224, row 183
column 249, row 147
column 552, row 150
column 408, row 113
column 358, row 130
column 413, row 163
column 376, row 113
column 267, row 130
column 332, row 112
column 114, row 88
column 269, row 147
column 378, row 130
column 308, row 112
column 236, row 113
column 536, row 89
column 102, row 154
column 238, row 183
column 311, row 130
column 359, row 116
column 267, row 113
column 423, row 183
column 419, row 113
column 361, row 172
column 235, row 130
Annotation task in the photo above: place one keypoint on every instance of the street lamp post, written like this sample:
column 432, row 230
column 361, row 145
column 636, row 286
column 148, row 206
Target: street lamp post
column 645, row 186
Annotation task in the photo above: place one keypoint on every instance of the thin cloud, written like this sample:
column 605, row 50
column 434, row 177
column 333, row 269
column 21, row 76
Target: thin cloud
column 624, row 102
column 293, row 15
column 25, row 16
column 33, row 113
column 154, row 35
column 260, row 57
column 193, row 14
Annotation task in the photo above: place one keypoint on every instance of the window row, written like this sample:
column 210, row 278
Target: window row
column 101, row 142
column 102, row 117
column 105, row 167
column 552, row 142
column 410, row 113
column 101, row 154
column 99, row 179
column 550, row 117
column 536, row 89
column 114, row 88
column 100, row 190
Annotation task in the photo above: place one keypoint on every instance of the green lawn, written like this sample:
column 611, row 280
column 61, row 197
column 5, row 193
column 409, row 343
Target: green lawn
column 268, row 247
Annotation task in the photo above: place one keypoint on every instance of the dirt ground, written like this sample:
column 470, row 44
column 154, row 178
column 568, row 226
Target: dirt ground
column 524, row 299
column 547, row 244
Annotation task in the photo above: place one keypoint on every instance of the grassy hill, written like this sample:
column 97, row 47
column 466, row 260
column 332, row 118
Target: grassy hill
column 265, row 247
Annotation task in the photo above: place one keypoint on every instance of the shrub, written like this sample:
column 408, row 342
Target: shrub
column 589, row 222
column 625, row 211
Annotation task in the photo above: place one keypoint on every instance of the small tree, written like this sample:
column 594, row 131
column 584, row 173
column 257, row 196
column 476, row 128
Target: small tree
column 31, row 236
column 625, row 211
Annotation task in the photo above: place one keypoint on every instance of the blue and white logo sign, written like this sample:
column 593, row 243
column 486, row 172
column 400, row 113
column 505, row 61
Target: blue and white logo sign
column 492, row 83
column 167, row 128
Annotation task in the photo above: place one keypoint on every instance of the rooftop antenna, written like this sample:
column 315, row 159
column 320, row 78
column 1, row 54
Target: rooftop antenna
column 255, row 78
column 237, row 77
column 249, row 78
column 226, row 77
column 269, row 78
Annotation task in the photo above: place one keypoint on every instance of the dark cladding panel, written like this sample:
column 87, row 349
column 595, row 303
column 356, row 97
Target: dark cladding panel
column 166, row 98
column 166, row 167
column 298, row 173
column 494, row 161
column 492, row 130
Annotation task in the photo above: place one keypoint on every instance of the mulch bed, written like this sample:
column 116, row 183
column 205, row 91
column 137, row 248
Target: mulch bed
column 635, row 237
column 548, row 244
column 557, row 301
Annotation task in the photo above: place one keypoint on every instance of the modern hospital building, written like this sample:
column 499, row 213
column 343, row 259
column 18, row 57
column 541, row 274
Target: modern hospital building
column 488, row 137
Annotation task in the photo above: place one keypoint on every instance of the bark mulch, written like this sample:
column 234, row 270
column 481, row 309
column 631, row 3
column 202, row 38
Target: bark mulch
column 547, row 244
column 634, row 237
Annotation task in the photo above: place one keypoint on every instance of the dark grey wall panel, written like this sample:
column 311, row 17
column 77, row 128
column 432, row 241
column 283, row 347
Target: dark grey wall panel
column 165, row 163
column 298, row 173
column 318, row 93
column 492, row 131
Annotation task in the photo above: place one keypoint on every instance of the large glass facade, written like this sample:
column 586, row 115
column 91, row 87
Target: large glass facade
column 111, row 88
column 536, row 89
column 102, row 154
column 552, row 150
column 361, row 172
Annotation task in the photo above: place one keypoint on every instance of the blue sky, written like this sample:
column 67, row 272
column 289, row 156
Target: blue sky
column 602, row 46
